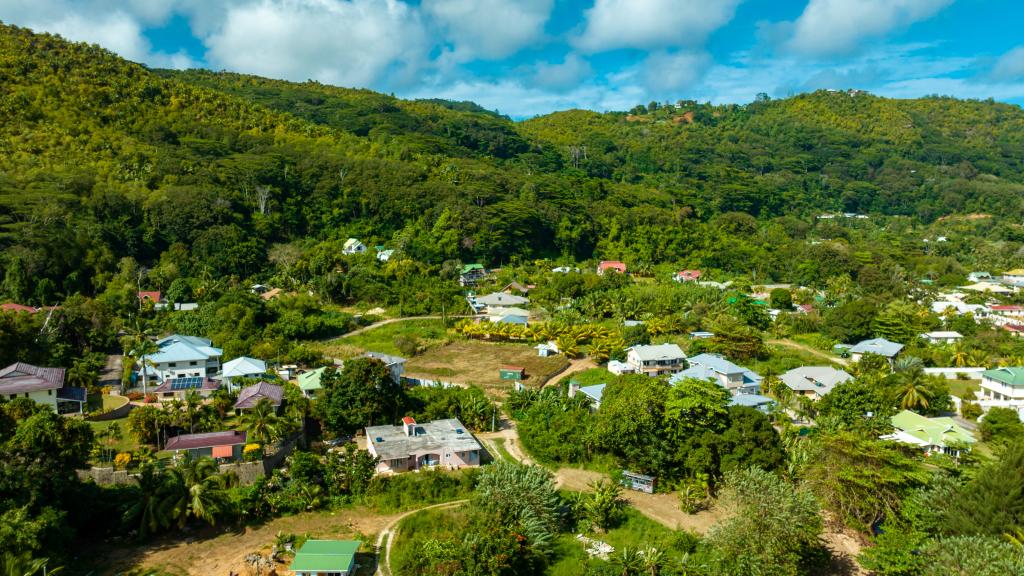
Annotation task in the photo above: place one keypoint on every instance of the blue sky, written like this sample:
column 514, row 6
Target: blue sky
column 527, row 57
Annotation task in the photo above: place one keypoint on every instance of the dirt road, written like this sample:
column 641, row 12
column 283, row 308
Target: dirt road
column 392, row 321
column 813, row 351
column 387, row 536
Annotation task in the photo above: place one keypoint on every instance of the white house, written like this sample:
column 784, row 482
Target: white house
column 1006, row 384
column 487, row 302
column 655, row 360
column 550, row 348
column 41, row 385
column 353, row 246
column 620, row 368
column 183, row 357
column 942, row 337
column 412, row 446
column 242, row 367
column 385, row 255
column 395, row 364
column 814, row 381
column 508, row 315
column 878, row 346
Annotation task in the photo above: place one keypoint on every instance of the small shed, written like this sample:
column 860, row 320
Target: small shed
column 511, row 372
column 638, row 482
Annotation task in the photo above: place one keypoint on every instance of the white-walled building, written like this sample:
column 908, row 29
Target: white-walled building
column 182, row 357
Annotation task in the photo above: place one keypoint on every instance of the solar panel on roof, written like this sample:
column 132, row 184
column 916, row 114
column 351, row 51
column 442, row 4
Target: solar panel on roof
column 186, row 383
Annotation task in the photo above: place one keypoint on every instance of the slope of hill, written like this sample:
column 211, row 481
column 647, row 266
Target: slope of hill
column 194, row 173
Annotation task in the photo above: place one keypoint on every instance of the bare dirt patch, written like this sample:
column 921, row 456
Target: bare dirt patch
column 477, row 363
column 209, row 552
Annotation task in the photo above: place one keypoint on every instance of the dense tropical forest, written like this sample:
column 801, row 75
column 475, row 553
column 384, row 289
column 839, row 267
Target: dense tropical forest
column 117, row 179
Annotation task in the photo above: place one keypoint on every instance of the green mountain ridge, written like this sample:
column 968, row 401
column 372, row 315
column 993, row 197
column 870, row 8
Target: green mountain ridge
column 102, row 159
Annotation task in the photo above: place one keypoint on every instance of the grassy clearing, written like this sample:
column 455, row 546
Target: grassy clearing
column 430, row 333
column 105, row 402
column 475, row 362
column 963, row 389
column 126, row 444
column 503, row 453
column 593, row 376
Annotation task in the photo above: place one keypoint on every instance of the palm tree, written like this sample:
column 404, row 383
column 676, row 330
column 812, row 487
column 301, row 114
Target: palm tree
column 195, row 489
column 916, row 393
column 142, row 348
column 147, row 511
column 193, row 401
column 81, row 375
column 262, row 423
column 23, row 564
column 959, row 356
column 604, row 504
column 907, row 364
column 653, row 561
column 568, row 346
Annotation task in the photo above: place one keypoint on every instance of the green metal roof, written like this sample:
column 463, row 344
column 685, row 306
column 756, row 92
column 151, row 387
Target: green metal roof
column 470, row 267
column 1011, row 376
column 325, row 556
column 311, row 380
column 936, row 431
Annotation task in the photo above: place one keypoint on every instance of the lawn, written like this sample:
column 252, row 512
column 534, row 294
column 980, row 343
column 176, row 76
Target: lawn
column 105, row 402
column 963, row 389
column 592, row 376
column 126, row 444
column 430, row 333
column 475, row 362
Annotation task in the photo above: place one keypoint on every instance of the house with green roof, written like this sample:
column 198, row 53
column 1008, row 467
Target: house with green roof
column 309, row 382
column 1005, row 384
column 471, row 274
column 933, row 435
column 326, row 558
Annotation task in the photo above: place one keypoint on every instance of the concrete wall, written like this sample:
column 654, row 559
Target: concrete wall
column 952, row 373
column 114, row 414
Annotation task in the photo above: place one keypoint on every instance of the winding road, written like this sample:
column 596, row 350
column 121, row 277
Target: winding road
column 389, row 532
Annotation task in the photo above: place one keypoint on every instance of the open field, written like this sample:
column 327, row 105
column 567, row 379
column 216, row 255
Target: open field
column 429, row 332
column 218, row 551
column 963, row 389
column 475, row 362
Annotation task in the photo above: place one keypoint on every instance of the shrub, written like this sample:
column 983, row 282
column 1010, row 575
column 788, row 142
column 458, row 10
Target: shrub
column 970, row 410
column 252, row 452
column 1000, row 425
column 134, row 395
column 122, row 460
column 150, row 398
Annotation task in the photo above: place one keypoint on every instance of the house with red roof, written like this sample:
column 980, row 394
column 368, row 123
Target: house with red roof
column 151, row 295
column 43, row 386
column 613, row 265
column 12, row 307
column 687, row 276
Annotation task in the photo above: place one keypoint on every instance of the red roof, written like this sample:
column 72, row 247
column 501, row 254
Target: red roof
column 1008, row 308
column 1013, row 328
column 12, row 307
column 516, row 368
column 206, row 440
column 688, row 274
column 21, row 377
column 153, row 295
column 408, row 420
column 612, row 265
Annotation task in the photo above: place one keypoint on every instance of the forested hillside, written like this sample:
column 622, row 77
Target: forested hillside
column 106, row 165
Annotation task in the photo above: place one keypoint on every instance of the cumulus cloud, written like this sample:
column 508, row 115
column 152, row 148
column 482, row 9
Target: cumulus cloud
column 489, row 29
column 667, row 73
column 566, row 74
column 836, row 27
column 647, row 24
column 1010, row 66
column 349, row 43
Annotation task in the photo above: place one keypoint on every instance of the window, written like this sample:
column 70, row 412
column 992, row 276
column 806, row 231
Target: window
column 13, row 396
column 49, row 392
column 172, row 364
column 193, row 363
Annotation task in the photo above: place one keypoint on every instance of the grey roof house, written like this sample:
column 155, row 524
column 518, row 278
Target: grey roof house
column 736, row 379
column 879, row 346
column 250, row 396
column 656, row 359
column 411, row 446
column 814, row 381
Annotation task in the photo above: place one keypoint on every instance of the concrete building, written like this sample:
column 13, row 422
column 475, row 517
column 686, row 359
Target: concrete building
column 814, row 381
column 43, row 386
column 412, row 446
column 734, row 378
column 183, row 357
column 655, row 360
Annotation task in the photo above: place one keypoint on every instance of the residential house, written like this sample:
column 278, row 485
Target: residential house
column 736, row 379
column 181, row 357
column 755, row 401
column 1006, row 314
column 655, row 360
column 43, row 386
column 309, row 382
column 979, row 277
column 1004, row 384
column 953, row 307
column 385, row 255
column 471, row 274
column 933, row 435
column 151, row 295
column 395, row 364
column 619, row 368
column 250, row 396
column 412, row 446
column 990, row 287
column 180, row 387
column 226, row 445
column 591, row 393
column 483, row 304
column 613, row 265
column 242, row 367
column 814, row 381
column 259, row 288
column 942, row 337
column 325, row 558
column 878, row 346
column 508, row 316
column 176, row 306
column 687, row 276
column 353, row 246
column 804, row 308
column 517, row 288
column 1015, row 276
column 1015, row 330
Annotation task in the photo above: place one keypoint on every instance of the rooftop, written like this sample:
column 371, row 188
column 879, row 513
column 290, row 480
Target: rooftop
column 243, row 366
column 178, row 348
column 387, row 359
column 1008, row 375
column 311, row 380
column 931, row 431
column 251, row 395
column 501, row 299
column 720, row 365
column 21, row 377
column 205, row 440
column 325, row 556
column 750, row 400
column 879, row 346
column 820, row 379
column 658, row 352
column 943, row 334
column 594, row 392
column 391, row 442
column 187, row 383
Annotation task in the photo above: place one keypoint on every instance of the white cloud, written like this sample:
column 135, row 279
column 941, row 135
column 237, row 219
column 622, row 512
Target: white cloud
column 570, row 72
column 836, row 27
column 1010, row 66
column 666, row 73
column 648, row 24
column 489, row 29
column 348, row 43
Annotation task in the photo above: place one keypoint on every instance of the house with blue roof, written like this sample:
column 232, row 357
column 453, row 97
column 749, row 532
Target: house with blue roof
column 591, row 393
column 736, row 379
column 755, row 401
column 878, row 346
column 183, row 357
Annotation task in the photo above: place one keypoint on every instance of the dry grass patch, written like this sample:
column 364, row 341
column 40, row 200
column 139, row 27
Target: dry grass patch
column 475, row 362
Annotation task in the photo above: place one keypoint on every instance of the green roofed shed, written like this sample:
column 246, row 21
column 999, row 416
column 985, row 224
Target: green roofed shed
column 323, row 557
column 471, row 267
column 309, row 382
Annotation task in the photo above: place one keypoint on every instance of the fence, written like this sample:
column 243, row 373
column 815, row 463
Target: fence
column 953, row 373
